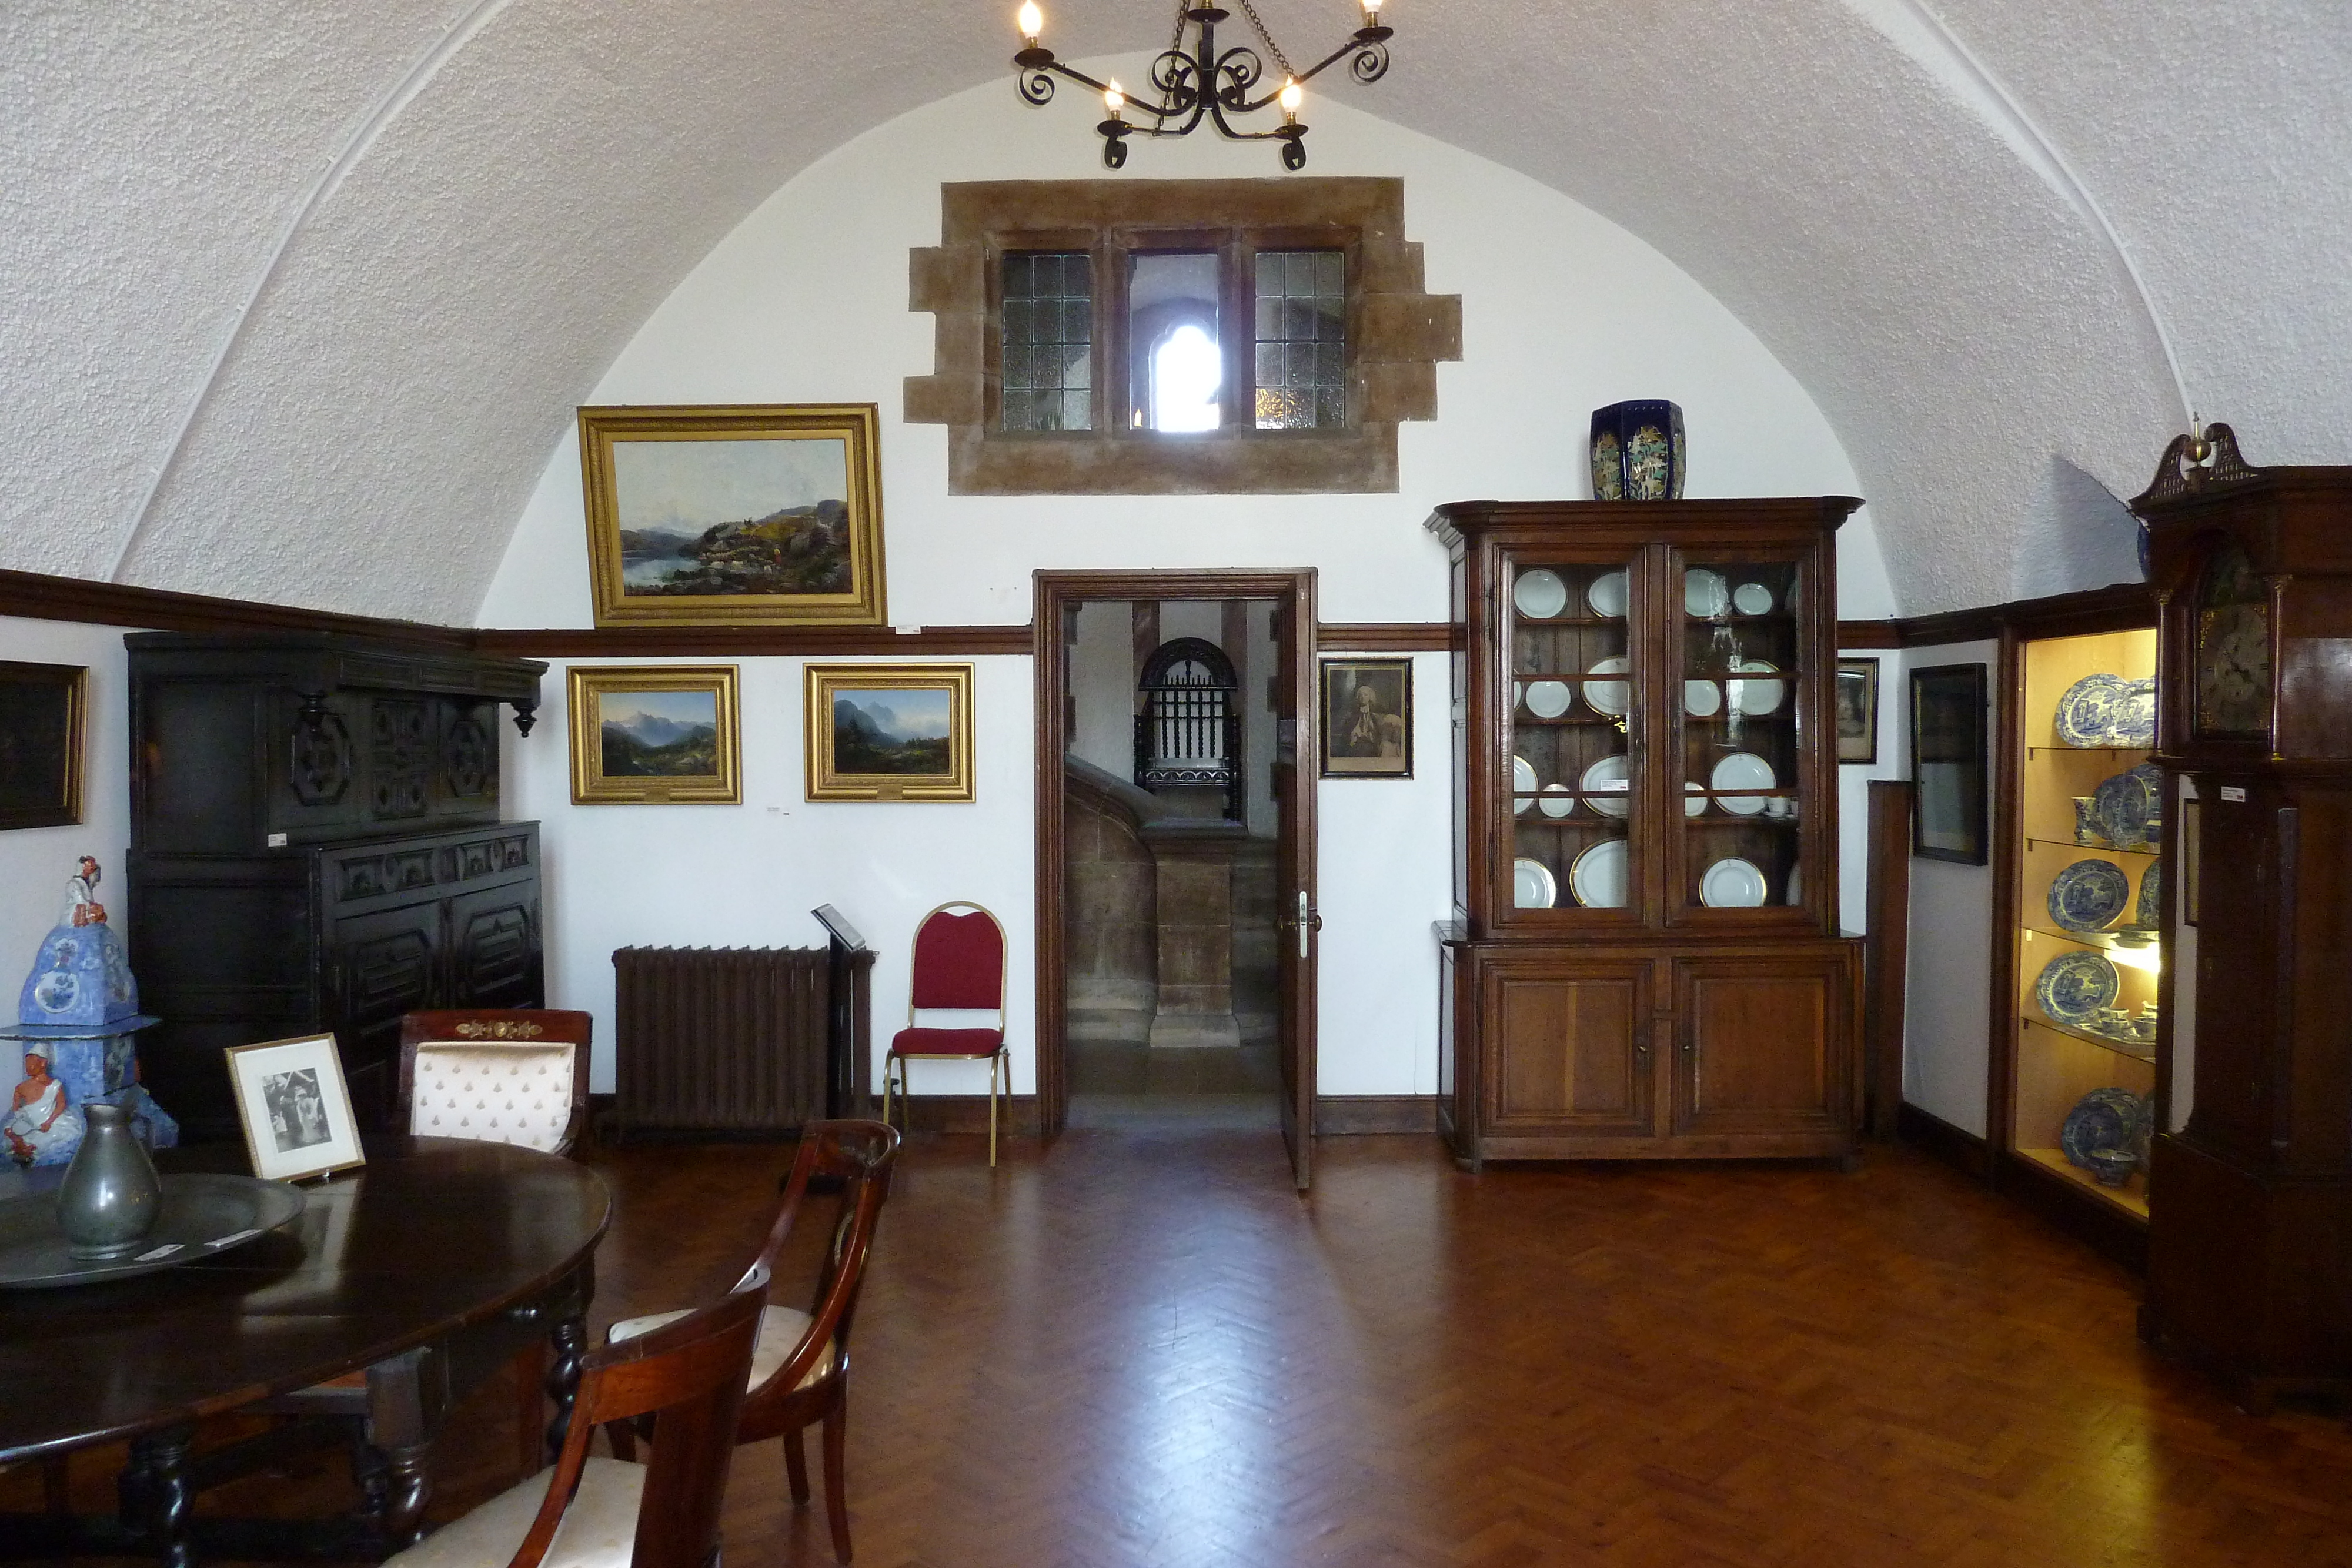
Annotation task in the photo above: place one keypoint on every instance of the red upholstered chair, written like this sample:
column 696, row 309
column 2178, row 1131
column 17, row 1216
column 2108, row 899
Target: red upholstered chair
column 959, row 964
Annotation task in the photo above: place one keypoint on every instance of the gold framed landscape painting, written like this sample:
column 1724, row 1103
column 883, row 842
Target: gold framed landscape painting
column 732, row 516
column 889, row 732
column 655, row 734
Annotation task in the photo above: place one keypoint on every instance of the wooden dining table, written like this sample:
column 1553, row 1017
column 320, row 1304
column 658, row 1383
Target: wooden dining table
column 426, row 1270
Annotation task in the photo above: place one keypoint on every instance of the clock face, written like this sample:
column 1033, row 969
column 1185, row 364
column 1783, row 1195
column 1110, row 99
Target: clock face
column 2233, row 648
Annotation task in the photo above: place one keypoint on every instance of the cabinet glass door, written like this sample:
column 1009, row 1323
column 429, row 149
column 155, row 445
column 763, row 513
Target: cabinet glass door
column 1571, row 775
column 1743, row 807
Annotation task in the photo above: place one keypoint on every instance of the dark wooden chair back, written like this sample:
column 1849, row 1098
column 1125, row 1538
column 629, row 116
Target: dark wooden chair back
column 688, row 1377
column 486, row 1032
column 855, row 1159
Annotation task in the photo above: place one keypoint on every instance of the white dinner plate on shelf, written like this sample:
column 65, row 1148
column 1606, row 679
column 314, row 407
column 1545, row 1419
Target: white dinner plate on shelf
column 1742, row 770
column 1597, row 877
column 1532, row 885
column 1611, row 697
column 1702, row 699
column 1732, row 884
column 1693, row 798
column 1608, row 595
column 1753, row 697
column 1539, row 594
column 1706, row 595
column 1797, row 882
column 1523, row 784
column 1548, row 699
column 1607, row 781
column 1555, row 800
column 1752, row 599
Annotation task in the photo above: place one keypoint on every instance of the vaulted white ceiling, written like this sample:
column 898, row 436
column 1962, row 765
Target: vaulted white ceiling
column 298, row 295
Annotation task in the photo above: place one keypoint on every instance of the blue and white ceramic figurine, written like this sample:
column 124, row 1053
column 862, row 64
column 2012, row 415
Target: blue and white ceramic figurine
column 77, row 1010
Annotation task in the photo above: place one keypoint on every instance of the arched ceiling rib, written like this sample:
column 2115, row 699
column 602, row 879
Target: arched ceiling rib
column 370, row 434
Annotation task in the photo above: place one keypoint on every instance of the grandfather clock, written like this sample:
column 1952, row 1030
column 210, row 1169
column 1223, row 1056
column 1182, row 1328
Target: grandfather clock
column 2249, row 1205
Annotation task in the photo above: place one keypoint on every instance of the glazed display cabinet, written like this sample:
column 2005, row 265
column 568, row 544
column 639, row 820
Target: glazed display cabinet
column 1643, row 960
column 2080, row 999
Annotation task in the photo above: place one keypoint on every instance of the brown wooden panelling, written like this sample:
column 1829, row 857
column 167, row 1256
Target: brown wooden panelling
column 1343, row 1115
column 1863, row 635
column 2006, row 808
column 1956, row 1147
column 1388, row 637
column 2110, row 608
column 1887, row 953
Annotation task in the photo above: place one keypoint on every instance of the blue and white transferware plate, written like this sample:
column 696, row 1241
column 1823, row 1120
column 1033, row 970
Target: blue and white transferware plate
column 2135, row 716
column 2105, row 1119
column 2129, row 804
column 2086, row 714
column 2088, row 895
column 2074, row 987
column 2149, row 911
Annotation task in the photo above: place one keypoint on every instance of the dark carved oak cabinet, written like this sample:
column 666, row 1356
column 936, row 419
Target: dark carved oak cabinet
column 315, row 846
column 1644, row 960
column 2249, row 1203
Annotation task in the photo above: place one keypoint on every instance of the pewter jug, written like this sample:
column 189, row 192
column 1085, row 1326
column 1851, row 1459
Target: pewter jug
column 110, row 1196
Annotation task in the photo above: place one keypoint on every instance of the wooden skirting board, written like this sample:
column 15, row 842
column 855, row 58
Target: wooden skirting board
column 1956, row 1147
column 1338, row 1116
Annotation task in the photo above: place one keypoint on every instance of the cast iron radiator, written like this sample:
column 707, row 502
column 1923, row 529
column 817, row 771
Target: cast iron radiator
column 719, row 1040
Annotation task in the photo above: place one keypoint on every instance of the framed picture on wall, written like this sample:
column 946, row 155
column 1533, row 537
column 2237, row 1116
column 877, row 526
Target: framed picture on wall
column 1368, row 718
column 889, row 732
column 734, row 515
column 296, row 1113
column 42, row 717
column 1947, row 764
column 1856, row 710
column 655, row 734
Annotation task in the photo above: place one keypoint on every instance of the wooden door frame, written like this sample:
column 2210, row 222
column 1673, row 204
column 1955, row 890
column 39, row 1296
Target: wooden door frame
column 1056, row 594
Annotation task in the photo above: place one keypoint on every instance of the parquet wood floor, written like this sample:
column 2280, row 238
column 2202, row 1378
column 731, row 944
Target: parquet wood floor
column 1140, row 1348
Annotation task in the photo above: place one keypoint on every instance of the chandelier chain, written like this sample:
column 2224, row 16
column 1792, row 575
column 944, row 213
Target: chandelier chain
column 1271, row 46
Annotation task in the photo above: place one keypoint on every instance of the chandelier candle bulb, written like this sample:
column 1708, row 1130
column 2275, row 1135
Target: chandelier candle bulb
column 1032, row 20
column 1114, row 99
column 1291, row 99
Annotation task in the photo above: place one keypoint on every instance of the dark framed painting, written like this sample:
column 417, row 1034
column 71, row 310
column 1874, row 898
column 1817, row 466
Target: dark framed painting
column 1856, row 710
column 889, row 732
column 43, row 713
column 766, row 515
column 1949, row 764
column 655, row 734
column 1368, row 718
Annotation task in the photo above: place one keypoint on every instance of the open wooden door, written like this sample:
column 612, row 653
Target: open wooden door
column 1295, row 771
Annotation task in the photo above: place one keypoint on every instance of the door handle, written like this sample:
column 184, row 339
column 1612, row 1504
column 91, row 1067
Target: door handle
column 1307, row 921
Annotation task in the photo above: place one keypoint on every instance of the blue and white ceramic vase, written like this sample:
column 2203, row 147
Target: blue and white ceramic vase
column 1637, row 452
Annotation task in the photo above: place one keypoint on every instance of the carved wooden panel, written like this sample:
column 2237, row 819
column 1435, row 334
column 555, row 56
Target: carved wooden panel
column 1756, row 1046
column 1571, row 1050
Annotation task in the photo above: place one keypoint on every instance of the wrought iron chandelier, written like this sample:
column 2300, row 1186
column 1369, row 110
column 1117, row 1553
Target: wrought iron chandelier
column 1202, row 83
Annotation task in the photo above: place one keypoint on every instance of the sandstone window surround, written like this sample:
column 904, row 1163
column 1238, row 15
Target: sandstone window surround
column 1396, row 333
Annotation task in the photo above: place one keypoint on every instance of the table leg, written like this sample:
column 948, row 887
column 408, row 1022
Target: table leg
column 155, row 1493
column 408, row 1397
column 570, row 1339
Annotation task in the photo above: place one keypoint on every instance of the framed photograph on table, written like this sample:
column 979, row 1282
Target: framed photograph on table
column 889, row 732
column 295, row 1112
column 1368, row 718
column 1856, row 710
column 655, row 734
column 1948, row 765
column 42, row 717
column 738, row 515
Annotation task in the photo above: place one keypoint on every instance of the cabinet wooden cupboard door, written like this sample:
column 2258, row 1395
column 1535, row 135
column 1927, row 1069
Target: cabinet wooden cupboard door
column 1643, row 960
column 1571, row 1050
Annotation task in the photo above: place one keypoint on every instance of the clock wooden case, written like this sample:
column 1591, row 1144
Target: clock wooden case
column 1643, row 960
column 2250, row 1243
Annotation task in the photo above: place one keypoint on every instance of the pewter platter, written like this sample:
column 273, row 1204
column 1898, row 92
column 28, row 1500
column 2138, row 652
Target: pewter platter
column 202, row 1217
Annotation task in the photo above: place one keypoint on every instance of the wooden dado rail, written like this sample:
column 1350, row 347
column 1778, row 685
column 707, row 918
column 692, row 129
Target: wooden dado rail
column 36, row 597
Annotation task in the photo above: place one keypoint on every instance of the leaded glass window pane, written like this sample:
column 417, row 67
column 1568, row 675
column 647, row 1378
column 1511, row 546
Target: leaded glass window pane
column 1047, row 374
column 1302, row 313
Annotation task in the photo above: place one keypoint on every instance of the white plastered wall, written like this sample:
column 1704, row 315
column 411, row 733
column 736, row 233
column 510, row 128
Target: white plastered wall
column 806, row 302
column 1947, row 997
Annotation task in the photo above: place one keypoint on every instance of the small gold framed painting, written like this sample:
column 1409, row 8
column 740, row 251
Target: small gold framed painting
column 889, row 732
column 295, row 1112
column 655, row 734
column 766, row 515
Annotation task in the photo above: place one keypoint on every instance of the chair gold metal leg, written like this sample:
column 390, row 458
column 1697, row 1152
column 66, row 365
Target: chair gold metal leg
column 888, row 1063
column 992, row 1113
